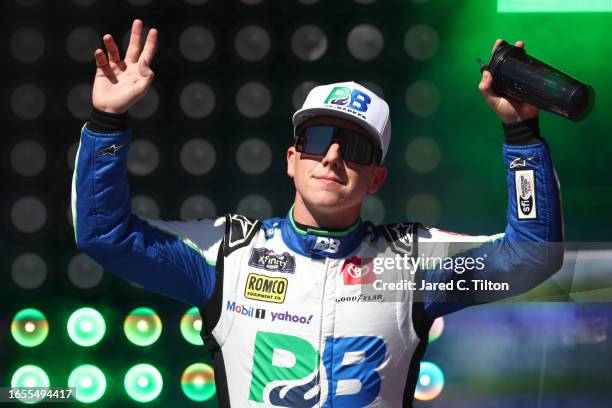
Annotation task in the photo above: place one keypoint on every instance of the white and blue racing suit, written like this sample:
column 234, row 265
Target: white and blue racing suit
column 288, row 319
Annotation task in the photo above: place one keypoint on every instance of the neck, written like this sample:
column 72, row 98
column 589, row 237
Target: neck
column 337, row 219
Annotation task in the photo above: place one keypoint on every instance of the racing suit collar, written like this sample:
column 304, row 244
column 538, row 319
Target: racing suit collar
column 319, row 243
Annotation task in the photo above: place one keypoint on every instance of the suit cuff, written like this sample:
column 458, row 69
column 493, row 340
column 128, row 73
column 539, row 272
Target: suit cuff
column 525, row 132
column 106, row 122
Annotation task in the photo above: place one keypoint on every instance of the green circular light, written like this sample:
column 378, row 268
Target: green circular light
column 198, row 382
column 89, row 381
column 142, row 326
column 191, row 325
column 30, row 376
column 86, row 327
column 29, row 327
column 143, row 383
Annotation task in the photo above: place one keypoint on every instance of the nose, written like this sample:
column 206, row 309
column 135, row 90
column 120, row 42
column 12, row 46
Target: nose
column 333, row 155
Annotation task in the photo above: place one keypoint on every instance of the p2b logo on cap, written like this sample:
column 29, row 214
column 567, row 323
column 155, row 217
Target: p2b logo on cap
column 354, row 99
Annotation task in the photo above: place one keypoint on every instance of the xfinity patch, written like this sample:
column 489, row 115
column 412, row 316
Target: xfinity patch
column 265, row 288
column 524, row 181
column 264, row 258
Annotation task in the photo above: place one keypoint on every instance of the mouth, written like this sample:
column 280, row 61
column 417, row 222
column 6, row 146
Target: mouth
column 332, row 181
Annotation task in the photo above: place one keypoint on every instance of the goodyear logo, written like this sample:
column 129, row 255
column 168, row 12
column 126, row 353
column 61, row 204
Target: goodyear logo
column 265, row 288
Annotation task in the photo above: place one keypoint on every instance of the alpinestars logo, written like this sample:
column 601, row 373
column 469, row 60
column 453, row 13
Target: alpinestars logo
column 519, row 162
column 110, row 150
column 267, row 259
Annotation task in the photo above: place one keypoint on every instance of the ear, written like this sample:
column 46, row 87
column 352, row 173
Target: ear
column 378, row 179
column 291, row 158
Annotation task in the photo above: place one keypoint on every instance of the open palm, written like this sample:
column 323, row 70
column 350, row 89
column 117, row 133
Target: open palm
column 121, row 83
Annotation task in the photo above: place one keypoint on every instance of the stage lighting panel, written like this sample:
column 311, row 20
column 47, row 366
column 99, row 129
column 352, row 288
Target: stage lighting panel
column 143, row 383
column 142, row 326
column 78, row 101
column 197, row 43
column 421, row 42
column 81, row 43
column 424, row 207
column 89, row 381
column 198, row 382
column 422, row 98
column 253, row 156
column 373, row 209
column 430, row 383
column 28, row 158
column 197, row 206
column 309, row 43
column 29, row 327
column 365, row 42
column 255, row 206
column 143, row 157
column 197, row 157
column 29, row 271
column 84, row 272
column 27, row 101
column 86, row 327
column 253, row 100
column 28, row 215
column 252, row 43
column 190, row 327
column 423, row 155
column 147, row 106
column 197, row 100
column 145, row 206
column 300, row 92
column 27, row 45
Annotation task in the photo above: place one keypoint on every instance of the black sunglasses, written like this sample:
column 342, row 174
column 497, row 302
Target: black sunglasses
column 354, row 146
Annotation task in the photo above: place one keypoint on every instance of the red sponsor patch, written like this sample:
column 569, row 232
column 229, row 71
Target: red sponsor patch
column 357, row 271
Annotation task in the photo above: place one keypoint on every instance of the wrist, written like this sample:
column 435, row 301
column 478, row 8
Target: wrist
column 522, row 132
column 107, row 122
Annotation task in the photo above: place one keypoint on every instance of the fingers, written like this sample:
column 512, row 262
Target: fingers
column 149, row 48
column 102, row 64
column 497, row 42
column 520, row 44
column 486, row 88
column 133, row 51
column 144, row 69
column 111, row 47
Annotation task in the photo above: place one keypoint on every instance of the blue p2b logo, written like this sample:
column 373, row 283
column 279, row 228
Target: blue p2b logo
column 354, row 99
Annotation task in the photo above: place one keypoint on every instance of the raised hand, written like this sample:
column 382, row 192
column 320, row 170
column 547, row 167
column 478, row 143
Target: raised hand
column 509, row 110
column 121, row 83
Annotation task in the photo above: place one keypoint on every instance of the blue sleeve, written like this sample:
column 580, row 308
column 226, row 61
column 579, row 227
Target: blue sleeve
column 138, row 250
column 529, row 251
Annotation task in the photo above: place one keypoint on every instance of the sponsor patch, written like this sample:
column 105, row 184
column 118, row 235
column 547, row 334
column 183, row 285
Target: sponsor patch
column 265, row 288
column 248, row 311
column 357, row 271
column 264, row 258
column 327, row 244
column 524, row 181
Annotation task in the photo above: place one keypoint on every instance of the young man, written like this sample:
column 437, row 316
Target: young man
column 287, row 319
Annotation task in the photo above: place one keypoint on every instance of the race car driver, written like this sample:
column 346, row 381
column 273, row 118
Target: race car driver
column 291, row 319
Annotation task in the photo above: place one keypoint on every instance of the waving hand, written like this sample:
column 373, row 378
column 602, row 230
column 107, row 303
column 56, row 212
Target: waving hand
column 121, row 83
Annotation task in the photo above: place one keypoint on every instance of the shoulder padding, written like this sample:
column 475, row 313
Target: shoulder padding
column 402, row 237
column 239, row 231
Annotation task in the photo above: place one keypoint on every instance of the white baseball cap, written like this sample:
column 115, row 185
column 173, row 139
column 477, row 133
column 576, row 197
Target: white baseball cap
column 352, row 101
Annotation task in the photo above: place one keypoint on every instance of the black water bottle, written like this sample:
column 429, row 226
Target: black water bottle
column 522, row 77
